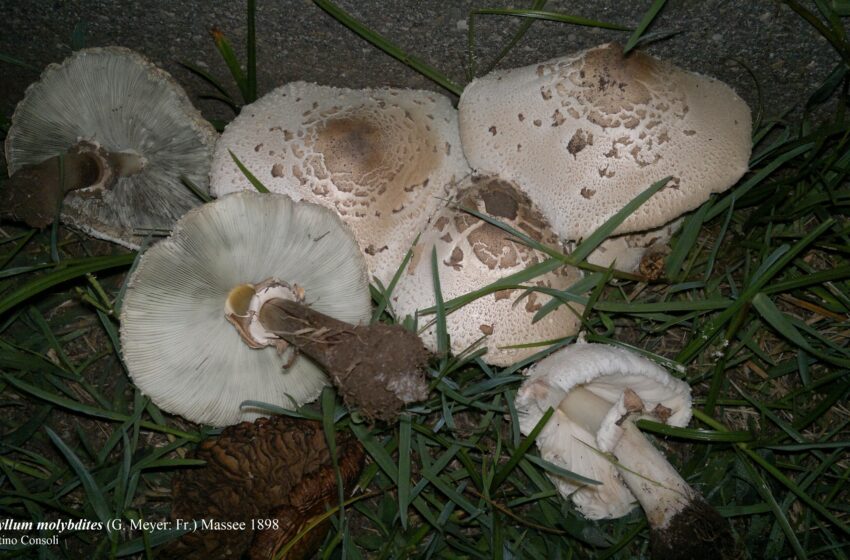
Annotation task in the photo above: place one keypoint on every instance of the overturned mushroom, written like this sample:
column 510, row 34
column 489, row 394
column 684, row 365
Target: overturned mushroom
column 471, row 254
column 381, row 158
column 584, row 134
column 177, row 342
column 126, row 133
column 277, row 471
column 205, row 323
column 597, row 392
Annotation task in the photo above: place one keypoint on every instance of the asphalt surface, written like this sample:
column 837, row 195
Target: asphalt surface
column 296, row 40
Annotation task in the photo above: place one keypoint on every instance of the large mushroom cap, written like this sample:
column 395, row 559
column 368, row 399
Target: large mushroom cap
column 585, row 134
column 380, row 158
column 179, row 347
column 607, row 372
column 116, row 99
column 471, row 254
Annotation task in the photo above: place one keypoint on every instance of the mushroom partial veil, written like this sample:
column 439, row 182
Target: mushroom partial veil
column 179, row 345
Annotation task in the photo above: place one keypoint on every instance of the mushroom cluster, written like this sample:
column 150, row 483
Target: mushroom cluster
column 276, row 469
column 381, row 158
column 127, row 135
column 584, row 134
column 597, row 392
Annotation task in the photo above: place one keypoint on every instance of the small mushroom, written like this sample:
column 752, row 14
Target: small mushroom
column 584, row 134
column 381, row 158
column 597, row 391
column 276, row 471
column 177, row 324
column 471, row 254
column 127, row 132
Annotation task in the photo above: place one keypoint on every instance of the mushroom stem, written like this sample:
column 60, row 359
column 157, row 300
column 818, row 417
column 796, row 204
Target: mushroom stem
column 682, row 524
column 33, row 193
column 378, row 368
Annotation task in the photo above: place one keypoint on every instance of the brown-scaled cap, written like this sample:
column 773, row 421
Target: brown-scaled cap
column 381, row 158
column 471, row 254
column 584, row 134
column 277, row 469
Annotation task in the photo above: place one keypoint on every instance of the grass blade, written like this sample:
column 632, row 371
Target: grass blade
column 93, row 491
column 256, row 183
column 644, row 24
column 550, row 16
column 388, row 47
column 63, row 273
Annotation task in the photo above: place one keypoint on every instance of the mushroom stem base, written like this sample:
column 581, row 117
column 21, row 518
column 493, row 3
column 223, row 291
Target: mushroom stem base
column 682, row 524
column 378, row 368
column 32, row 195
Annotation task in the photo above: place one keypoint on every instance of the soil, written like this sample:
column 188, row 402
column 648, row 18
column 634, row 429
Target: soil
column 376, row 368
column 694, row 533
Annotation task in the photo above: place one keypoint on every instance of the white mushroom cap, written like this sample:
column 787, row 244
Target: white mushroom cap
column 585, row 134
column 178, row 346
column 606, row 371
column 381, row 158
column 627, row 251
column 118, row 100
column 471, row 254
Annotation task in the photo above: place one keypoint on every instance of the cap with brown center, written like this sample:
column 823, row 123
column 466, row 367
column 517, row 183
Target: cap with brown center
column 471, row 254
column 584, row 134
column 140, row 134
column 381, row 158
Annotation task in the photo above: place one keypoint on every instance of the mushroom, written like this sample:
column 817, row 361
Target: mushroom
column 597, row 392
column 584, row 134
column 220, row 312
column 277, row 471
column 471, row 254
column 128, row 133
column 643, row 252
column 377, row 368
column 222, row 258
column 381, row 158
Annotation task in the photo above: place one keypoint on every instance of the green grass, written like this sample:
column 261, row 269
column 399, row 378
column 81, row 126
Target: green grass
column 755, row 305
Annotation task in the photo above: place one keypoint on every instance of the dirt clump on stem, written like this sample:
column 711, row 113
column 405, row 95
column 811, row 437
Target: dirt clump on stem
column 377, row 368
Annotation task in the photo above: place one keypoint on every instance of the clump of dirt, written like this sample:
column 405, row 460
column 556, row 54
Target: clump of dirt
column 376, row 368
column 696, row 532
column 276, row 469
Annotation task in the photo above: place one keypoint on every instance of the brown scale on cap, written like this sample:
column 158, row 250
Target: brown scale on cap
column 472, row 253
column 275, row 468
column 623, row 123
column 382, row 159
